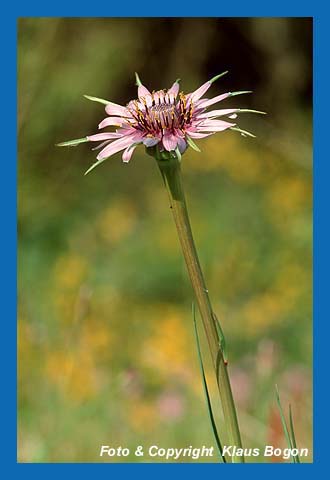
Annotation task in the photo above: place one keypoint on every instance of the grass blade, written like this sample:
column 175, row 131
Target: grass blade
column 284, row 424
column 207, row 395
column 293, row 437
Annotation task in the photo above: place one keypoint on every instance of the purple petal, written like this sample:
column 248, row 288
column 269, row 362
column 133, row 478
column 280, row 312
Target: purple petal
column 214, row 122
column 115, row 147
column 156, row 97
column 143, row 91
column 103, row 136
column 218, row 113
column 128, row 153
column 197, row 94
column 103, row 144
column 151, row 142
column 182, row 145
column 207, row 103
column 199, row 135
column 174, row 90
column 148, row 100
column 215, row 126
column 125, row 130
column 170, row 141
column 114, row 109
column 112, row 121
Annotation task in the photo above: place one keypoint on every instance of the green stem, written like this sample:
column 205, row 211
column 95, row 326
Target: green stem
column 171, row 172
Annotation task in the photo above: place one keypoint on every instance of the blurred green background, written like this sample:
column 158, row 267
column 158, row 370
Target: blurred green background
column 106, row 346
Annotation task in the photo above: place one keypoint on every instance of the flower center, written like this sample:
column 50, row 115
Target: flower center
column 163, row 115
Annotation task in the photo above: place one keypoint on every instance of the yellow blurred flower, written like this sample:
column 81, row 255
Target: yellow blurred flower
column 214, row 156
column 287, row 198
column 167, row 349
column 24, row 348
column 69, row 274
column 236, row 265
column 64, row 302
column 268, row 308
column 117, row 220
column 70, row 271
column 262, row 311
column 239, row 161
column 166, row 240
column 96, row 337
column 23, row 336
column 142, row 415
column 73, row 373
column 289, row 195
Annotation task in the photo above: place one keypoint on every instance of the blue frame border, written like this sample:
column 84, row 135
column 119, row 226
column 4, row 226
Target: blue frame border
column 9, row 209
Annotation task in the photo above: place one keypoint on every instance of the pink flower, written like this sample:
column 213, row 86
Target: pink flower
column 166, row 118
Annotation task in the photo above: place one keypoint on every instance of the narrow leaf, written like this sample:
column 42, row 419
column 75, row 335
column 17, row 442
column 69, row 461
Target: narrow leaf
column 243, row 132
column 72, row 143
column 96, row 164
column 95, row 99
column 192, row 144
column 247, row 110
column 293, row 437
column 222, row 340
column 138, row 81
column 178, row 154
column 206, row 391
column 242, row 92
column 283, row 421
column 218, row 76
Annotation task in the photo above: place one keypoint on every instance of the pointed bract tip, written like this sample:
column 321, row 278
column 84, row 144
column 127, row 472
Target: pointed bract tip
column 138, row 81
column 192, row 144
column 245, row 133
column 91, row 168
column 218, row 76
column 72, row 143
column 232, row 94
column 247, row 110
column 277, row 393
column 178, row 80
column 178, row 154
column 96, row 99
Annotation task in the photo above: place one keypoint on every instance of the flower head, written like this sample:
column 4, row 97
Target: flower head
column 166, row 119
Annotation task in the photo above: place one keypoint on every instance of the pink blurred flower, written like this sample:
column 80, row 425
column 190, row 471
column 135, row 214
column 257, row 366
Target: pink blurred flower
column 167, row 119
column 171, row 405
column 242, row 385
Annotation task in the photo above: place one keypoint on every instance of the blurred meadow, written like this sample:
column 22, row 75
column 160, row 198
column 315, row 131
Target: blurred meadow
column 106, row 349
